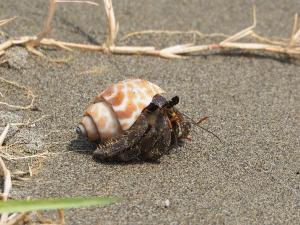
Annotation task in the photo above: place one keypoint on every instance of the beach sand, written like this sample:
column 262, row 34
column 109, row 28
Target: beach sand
column 252, row 102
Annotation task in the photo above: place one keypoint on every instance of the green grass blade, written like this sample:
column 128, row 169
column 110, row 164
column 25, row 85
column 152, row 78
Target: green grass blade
column 12, row 206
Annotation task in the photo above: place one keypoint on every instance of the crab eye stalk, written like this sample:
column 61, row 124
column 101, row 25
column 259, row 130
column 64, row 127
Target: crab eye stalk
column 152, row 107
column 159, row 101
column 174, row 100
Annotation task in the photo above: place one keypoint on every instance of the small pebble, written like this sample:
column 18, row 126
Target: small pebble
column 167, row 203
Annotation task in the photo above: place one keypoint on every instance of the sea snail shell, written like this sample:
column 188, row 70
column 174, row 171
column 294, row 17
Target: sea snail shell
column 116, row 109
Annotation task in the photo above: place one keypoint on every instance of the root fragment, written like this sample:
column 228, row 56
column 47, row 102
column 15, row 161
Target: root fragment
column 290, row 47
column 27, row 90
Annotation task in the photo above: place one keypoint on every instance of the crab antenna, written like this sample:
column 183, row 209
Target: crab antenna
column 203, row 128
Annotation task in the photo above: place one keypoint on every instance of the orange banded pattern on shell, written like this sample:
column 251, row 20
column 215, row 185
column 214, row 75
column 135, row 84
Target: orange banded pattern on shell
column 128, row 98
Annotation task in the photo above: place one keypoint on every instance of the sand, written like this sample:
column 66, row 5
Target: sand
column 252, row 102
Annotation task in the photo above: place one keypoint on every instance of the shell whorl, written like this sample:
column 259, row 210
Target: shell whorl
column 128, row 98
column 116, row 108
column 104, row 119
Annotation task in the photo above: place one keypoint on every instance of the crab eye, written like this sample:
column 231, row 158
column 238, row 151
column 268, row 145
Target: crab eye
column 174, row 100
column 152, row 107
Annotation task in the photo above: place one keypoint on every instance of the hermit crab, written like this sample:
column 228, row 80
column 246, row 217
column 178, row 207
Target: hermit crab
column 131, row 120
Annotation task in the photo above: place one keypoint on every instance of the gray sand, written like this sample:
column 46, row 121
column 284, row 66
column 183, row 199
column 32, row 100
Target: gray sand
column 252, row 102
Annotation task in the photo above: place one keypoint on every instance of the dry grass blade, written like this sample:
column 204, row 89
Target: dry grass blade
column 267, row 40
column 131, row 49
column 190, row 48
column 167, row 55
column 199, row 48
column 295, row 26
column 27, row 90
column 6, row 175
column 135, row 50
column 69, row 45
column 264, row 47
column 176, row 49
column 173, row 32
column 61, row 216
column 242, row 33
column 7, row 44
column 30, row 123
column 295, row 37
column 47, row 26
column 5, row 21
column 17, row 218
column 41, row 155
column 112, row 27
column 3, row 135
column 45, row 31
column 289, row 47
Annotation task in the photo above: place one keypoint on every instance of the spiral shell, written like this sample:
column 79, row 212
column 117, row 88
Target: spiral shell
column 117, row 108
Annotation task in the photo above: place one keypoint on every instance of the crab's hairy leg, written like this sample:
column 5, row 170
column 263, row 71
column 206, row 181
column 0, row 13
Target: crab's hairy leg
column 143, row 145
column 174, row 134
column 148, row 141
column 165, row 135
column 161, row 139
column 184, row 126
column 127, row 140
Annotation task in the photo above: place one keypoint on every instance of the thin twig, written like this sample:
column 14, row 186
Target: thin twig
column 267, row 40
column 63, row 44
column 262, row 47
column 29, row 92
column 61, row 216
column 294, row 30
column 244, row 32
column 7, row 177
column 4, row 134
column 295, row 36
column 17, row 218
column 112, row 26
column 173, row 32
column 29, row 123
column 290, row 47
column 47, row 26
column 5, row 21
column 26, row 124
column 41, row 155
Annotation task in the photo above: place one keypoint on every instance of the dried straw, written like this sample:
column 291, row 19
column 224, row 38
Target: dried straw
column 5, row 21
column 290, row 47
column 7, row 177
column 27, row 90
